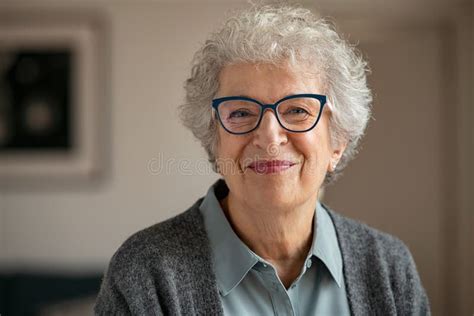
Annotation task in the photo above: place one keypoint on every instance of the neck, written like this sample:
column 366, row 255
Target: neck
column 281, row 237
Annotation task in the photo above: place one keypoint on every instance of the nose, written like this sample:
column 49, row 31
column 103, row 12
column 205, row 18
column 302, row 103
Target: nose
column 269, row 133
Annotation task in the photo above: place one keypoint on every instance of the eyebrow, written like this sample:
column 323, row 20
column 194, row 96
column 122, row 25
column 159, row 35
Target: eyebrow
column 248, row 96
column 236, row 95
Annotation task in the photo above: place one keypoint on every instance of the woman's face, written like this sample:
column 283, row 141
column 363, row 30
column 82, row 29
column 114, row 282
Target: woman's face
column 244, row 160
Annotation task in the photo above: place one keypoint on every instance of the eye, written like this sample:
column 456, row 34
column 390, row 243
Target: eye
column 297, row 110
column 240, row 113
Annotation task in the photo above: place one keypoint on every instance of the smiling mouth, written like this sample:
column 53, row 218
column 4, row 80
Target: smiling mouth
column 270, row 166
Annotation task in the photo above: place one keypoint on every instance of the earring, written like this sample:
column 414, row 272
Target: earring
column 334, row 166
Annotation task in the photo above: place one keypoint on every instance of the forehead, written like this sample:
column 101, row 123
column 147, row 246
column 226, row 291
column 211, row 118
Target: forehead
column 267, row 82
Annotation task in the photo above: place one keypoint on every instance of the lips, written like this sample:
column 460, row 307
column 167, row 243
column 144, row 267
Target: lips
column 270, row 166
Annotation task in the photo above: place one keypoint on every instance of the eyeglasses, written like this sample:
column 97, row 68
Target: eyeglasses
column 297, row 113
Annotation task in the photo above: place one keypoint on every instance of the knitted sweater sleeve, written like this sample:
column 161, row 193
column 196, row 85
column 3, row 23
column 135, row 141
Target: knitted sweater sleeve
column 380, row 273
column 164, row 269
column 110, row 300
column 410, row 296
column 126, row 288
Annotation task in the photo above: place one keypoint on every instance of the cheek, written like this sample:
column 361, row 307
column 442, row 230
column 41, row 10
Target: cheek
column 229, row 151
column 313, row 147
column 307, row 145
column 228, row 145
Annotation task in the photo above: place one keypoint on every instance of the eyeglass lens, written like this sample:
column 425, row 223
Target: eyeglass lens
column 296, row 114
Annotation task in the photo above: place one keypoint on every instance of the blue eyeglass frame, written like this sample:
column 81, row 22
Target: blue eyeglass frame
column 322, row 99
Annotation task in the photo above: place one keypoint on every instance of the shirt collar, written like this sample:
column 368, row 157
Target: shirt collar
column 325, row 245
column 232, row 259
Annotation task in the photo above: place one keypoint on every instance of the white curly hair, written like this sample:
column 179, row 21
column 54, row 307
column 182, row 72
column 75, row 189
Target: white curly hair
column 276, row 34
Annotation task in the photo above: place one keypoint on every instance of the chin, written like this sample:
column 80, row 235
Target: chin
column 273, row 189
column 270, row 182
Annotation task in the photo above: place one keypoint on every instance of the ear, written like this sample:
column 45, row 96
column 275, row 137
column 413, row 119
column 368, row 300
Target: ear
column 336, row 155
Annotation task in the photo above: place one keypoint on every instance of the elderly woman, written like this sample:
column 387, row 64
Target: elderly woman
column 280, row 102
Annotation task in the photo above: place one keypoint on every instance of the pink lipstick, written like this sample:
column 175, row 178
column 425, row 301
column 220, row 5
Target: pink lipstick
column 270, row 166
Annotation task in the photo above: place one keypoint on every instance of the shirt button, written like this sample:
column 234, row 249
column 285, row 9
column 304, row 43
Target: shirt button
column 308, row 263
column 264, row 265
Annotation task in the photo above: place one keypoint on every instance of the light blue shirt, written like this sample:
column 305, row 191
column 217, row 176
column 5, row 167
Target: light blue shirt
column 249, row 285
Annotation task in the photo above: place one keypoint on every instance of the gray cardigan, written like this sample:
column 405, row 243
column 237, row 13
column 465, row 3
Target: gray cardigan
column 167, row 269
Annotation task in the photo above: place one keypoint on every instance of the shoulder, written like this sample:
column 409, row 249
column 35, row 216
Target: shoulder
column 162, row 244
column 364, row 239
column 163, row 260
column 379, row 267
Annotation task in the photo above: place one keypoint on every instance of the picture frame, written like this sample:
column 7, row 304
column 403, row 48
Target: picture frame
column 82, row 34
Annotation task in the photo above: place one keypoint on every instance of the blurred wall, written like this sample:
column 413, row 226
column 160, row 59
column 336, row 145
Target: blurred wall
column 151, row 46
column 396, row 184
column 400, row 183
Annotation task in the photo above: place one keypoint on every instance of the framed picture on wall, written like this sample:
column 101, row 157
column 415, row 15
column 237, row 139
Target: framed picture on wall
column 52, row 97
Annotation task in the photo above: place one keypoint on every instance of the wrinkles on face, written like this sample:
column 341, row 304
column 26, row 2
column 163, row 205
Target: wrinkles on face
column 293, row 164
